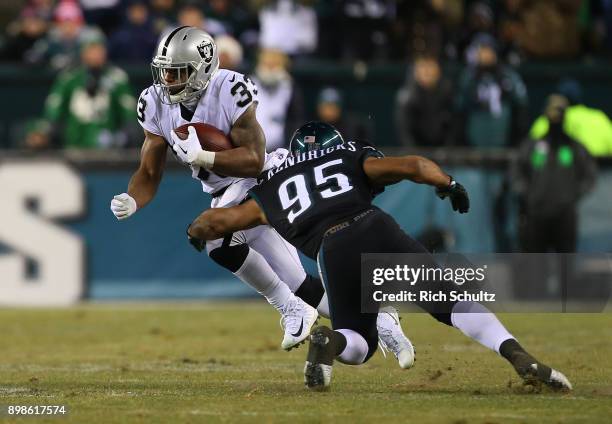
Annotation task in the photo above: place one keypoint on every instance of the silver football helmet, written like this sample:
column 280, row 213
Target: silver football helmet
column 184, row 62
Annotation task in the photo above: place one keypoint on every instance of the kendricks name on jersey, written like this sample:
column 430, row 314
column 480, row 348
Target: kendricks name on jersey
column 306, row 156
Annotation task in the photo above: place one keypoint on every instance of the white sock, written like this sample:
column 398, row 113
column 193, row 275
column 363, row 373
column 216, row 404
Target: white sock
column 257, row 273
column 323, row 307
column 356, row 348
column 480, row 324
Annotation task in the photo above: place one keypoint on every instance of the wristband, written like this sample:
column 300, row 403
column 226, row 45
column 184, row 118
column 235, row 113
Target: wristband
column 205, row 159
column 452, row 182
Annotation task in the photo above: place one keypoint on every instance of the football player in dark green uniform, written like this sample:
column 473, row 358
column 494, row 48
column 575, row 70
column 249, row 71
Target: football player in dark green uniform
column 320, row 200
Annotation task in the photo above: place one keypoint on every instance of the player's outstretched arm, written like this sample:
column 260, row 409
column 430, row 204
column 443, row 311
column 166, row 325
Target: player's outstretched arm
column 247, row 159
column 145, row 181
column 216, row 223
column 390, row 170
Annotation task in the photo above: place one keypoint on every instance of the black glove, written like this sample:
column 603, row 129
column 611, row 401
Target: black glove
column 457, row 194
column 197, row 243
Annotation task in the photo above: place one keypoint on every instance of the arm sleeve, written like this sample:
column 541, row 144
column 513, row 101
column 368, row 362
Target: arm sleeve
column 366, row 150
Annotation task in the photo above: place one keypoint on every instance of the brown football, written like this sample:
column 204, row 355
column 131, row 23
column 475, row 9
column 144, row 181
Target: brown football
column 211, row 138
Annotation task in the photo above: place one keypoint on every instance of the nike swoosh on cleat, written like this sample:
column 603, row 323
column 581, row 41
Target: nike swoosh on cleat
column 299, row 330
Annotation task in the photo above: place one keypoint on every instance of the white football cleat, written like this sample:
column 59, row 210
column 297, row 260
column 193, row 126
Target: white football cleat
column 297, row 318
column 558, row 381
column 391, row 337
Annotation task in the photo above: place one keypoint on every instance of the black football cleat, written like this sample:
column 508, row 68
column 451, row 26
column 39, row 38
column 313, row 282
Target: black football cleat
column 537, row 374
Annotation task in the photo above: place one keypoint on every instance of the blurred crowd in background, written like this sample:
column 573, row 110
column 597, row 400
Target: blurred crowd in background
column 92, row 102
column 97, row 48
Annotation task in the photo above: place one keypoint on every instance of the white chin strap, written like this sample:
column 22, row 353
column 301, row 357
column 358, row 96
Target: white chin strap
column 184, row 97
column 177, row 98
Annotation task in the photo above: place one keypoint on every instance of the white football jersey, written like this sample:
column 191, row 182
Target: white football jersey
column 228, row 95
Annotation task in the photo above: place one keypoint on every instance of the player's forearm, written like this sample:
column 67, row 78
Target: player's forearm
column 425, row 171
column 218, row 222
column 143, row 187
column 209, row 225
column 391, row 170
column 238, row 162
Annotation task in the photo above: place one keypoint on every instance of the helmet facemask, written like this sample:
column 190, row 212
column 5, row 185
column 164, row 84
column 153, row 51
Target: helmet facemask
column 185, row 62
column 176, row 83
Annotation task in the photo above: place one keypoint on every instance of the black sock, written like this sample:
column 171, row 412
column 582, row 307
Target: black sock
column 311, row 291
column 509, row 348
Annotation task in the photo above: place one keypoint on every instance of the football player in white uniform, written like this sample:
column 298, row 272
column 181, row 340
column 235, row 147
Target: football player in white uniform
column 188, row 86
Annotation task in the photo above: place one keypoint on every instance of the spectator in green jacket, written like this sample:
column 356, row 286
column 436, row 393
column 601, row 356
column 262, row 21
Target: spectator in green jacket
column 591, row 127
column 91, row 106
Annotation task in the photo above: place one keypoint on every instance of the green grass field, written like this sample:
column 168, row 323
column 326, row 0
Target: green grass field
column 222, row 363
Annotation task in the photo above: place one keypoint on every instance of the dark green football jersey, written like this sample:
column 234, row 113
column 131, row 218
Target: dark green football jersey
column 311, row 192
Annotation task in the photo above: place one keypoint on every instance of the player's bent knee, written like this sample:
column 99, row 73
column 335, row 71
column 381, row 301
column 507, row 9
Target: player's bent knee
column 230, row 257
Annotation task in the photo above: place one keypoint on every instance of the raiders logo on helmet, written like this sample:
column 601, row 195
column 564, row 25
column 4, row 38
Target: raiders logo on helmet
column 206, row 51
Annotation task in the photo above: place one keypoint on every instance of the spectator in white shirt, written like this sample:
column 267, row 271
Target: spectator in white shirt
column 288, row 26
column 281, row 106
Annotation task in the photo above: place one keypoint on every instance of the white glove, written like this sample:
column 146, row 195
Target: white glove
column 275, row 159
column 123, row 206
column 190, row 151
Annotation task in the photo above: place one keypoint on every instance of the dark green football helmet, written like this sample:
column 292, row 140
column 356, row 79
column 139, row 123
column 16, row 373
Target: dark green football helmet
column 314, row 136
